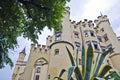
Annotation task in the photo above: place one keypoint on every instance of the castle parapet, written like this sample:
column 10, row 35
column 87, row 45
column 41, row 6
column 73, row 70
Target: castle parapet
column 102, row 18
column 39, row 48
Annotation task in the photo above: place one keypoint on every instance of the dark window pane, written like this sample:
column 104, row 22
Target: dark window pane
column 77, row 45
column 48, row 76
column 99, row 38
column 95, row 45
column 103, row 48
column 86, row 34
column 38, row 70
column 92, row 33
column 37, row 77
column 105, row 38
column 88, row 43
column 110, row 47
column 56, row 51
column 58, row 36
column 76, row 35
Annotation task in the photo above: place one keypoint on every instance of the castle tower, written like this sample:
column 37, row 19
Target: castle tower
column 46, row 61
column 108, row 39
column 37, row 64
column 17, row 69
column 59, row 58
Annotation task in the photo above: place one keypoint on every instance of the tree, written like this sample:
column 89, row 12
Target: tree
column 26, row 18
column 91, row 70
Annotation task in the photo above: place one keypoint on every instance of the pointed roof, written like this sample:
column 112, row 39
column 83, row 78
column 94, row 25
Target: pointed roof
column 23, row 51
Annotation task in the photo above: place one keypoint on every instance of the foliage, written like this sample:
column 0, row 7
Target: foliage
column 27, row 18
column 115, row 74
column 91, row 70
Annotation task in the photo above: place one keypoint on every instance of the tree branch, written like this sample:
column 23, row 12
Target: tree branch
column 28, row 2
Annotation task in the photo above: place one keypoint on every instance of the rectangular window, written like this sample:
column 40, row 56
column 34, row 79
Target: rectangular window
column 105, row 38
column 88, row 43
column 77, row 45
column 92, row 33
column 48, row 76
column 37, row 77
column 86, row 34
column 58, row 36
column 56, row 51
column 103, row 48
column 95, row 45
column 102, row 30
column 110, row 47
column 76, row 35
column 99, row 38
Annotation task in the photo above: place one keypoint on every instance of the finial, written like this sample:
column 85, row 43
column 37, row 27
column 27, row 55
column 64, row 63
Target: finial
column 101, row 13
column 23, row 51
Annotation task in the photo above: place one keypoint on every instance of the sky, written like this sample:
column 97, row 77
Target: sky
column 79, row 10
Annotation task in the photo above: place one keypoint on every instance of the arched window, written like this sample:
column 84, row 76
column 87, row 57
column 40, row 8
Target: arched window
column 38, row 70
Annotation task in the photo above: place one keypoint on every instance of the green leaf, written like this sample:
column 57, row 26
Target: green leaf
column 27, row 18
column 58, row 78
column 89, row 61
column 70, row 72
column 96, row 63
column 104, row 70
column 71, row 57
column 77, row 63
column 78, row 73
column 102, row 57
column 83, row 60
column 60, row 75
column 62, row 72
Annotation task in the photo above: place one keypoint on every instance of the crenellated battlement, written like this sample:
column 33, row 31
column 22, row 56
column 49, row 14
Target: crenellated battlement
column 39, row 48
column 83, row 23
column 102, row 18
column 68, row 10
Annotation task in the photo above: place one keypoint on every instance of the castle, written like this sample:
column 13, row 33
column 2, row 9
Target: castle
column 46, row 61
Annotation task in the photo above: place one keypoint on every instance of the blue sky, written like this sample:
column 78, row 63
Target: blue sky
column 80, row 10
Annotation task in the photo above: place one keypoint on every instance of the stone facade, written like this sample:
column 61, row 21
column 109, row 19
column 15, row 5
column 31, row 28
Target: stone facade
column 46, row 61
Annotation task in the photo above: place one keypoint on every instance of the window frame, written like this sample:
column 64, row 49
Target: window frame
column 100, row 39
column 109, row 47
column 37, row 77
column 58, row 36
column 77, row 45
column 76, row 35
column 95, row 44
column 57, row 52
column 86, row 33
column 88, row 43
column 103, row 48
column 92, row 33
column 38, row 69
column 105, row 38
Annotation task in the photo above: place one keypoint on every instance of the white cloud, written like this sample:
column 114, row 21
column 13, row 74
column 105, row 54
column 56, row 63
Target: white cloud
column 44, row 35
column 94, row 7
